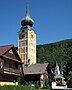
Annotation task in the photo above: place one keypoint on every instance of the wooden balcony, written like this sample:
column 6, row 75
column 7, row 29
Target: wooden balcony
column 12, row 71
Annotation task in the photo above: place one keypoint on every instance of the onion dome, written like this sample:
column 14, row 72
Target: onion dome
column 27, row 20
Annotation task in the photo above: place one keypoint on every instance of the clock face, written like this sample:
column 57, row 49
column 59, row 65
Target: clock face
column 32, row 32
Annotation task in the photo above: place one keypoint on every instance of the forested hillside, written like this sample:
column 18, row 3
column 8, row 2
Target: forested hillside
column 60, row 52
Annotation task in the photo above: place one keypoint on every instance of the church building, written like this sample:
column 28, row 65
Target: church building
column 33, row 72
column 27, row 40
column 14, row 66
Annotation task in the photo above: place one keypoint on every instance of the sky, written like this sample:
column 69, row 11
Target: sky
column 52, row 20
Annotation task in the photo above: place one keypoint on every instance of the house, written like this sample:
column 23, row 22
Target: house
column 10, row 65
column 36, row 73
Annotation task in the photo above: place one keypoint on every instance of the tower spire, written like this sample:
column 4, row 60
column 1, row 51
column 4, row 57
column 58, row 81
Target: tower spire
column 27, row 9
column 27, row 20
column 57, row 71
column 27, row 39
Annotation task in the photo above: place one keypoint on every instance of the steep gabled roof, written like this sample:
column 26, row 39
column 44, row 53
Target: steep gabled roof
column 35, row 69
column 7, row 48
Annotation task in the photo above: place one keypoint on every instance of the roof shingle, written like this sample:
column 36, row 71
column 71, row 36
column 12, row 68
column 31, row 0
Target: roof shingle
column 35, row 68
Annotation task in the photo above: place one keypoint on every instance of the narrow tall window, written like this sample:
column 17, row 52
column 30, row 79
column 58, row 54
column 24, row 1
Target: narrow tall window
column 23, row 35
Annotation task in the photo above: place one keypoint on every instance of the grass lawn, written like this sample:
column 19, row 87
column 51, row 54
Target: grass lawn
column 18, row 88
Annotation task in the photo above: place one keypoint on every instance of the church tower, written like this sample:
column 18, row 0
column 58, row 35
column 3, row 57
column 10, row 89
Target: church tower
column 27, row 40
column 57, row 71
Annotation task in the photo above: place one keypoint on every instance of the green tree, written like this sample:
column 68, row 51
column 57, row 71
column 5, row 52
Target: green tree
column 60, row 52
column 69, row 80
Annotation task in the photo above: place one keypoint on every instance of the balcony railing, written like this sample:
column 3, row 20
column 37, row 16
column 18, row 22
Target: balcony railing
column 12, row 71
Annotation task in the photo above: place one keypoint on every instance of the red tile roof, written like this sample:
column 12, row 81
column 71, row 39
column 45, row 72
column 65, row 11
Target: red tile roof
column 4, row 49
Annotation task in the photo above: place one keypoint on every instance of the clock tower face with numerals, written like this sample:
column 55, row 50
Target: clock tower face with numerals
column 27, row 40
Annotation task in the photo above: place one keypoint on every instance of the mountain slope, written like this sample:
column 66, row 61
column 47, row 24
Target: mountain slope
column 59, row 51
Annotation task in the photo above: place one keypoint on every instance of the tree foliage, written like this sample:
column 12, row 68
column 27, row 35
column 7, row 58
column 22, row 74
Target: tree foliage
column 60, row 52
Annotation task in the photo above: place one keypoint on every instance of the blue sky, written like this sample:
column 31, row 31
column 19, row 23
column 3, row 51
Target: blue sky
column 52, row 20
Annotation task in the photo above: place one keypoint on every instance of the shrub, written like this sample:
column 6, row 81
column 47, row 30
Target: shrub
column 47, row 85
column 37, row 85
